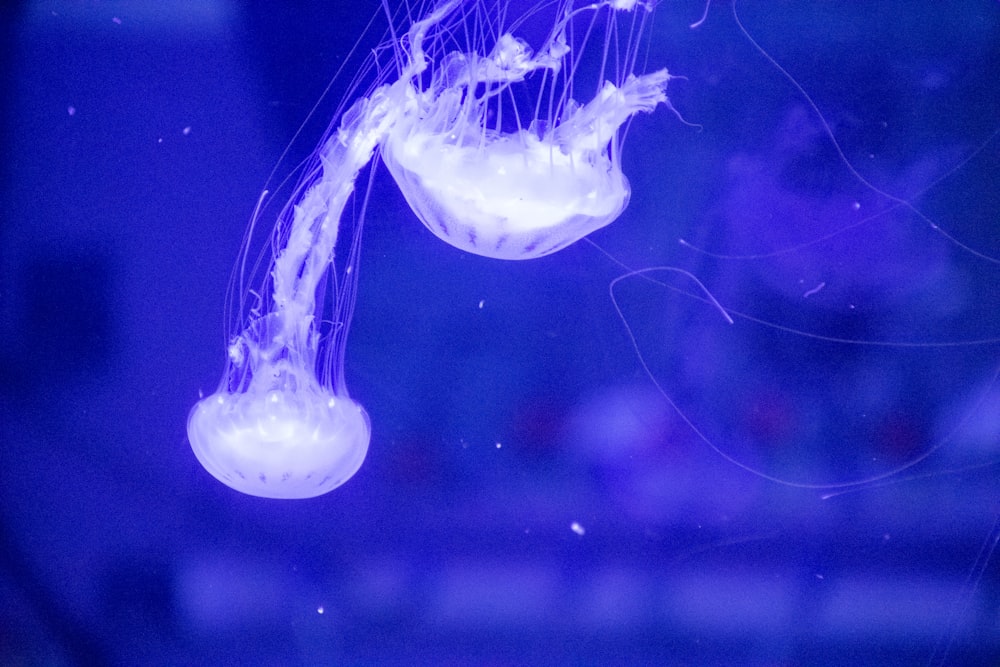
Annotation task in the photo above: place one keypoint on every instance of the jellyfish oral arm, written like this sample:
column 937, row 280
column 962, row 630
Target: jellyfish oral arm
column 588, row 130
column 316, row 220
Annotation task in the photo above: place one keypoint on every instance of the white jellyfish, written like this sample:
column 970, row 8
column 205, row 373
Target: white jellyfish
column 281, row 424
column 493, row 153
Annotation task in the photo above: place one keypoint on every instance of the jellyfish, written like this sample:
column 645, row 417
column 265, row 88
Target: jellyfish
column 494, row 154
column 281, row 423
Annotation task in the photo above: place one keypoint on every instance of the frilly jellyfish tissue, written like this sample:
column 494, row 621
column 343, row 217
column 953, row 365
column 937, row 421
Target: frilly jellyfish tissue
column 494, row 155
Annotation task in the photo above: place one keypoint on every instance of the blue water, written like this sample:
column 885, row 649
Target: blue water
column 813, row 484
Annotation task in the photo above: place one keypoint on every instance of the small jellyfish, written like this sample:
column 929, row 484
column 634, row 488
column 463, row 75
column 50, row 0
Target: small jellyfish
column 281, row 424
column 484, row 171
column 493, row 153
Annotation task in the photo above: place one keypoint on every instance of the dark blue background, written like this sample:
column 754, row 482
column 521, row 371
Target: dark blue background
column 497, row 428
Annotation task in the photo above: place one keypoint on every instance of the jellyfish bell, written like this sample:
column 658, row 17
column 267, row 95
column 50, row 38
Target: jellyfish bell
column 273, row 429
column 280, row 444
column 550, row 174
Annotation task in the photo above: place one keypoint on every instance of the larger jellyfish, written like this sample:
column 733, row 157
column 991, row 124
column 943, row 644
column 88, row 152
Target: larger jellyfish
column 486, row 168
column 551, row 173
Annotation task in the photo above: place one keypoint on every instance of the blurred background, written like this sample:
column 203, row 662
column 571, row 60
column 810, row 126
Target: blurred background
column 555, row 475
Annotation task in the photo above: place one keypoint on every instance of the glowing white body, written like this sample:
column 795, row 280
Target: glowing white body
column 281, row 444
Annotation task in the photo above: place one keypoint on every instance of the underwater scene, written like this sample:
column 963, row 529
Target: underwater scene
column 500, row 332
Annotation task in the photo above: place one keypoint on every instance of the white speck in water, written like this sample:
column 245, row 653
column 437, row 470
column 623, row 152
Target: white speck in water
column 186, row 131
column 577, row 528
column 481, row 303
column 320, row 610
column 814, row 290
